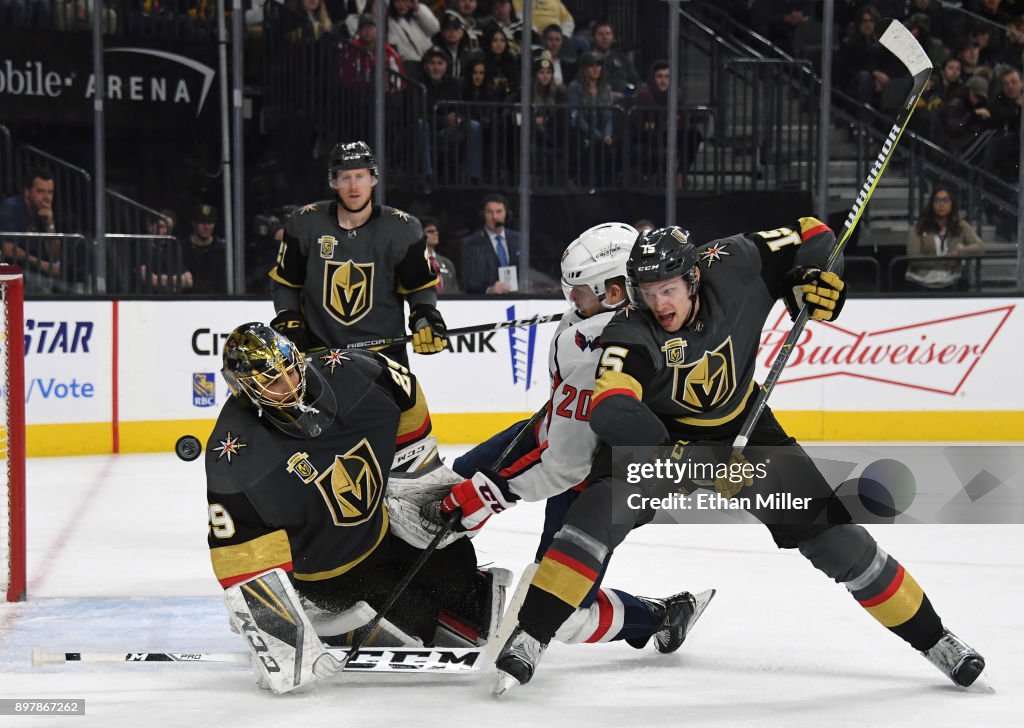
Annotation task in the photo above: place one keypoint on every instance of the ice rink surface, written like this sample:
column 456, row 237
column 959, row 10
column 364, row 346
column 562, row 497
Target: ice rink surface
column 118, row 562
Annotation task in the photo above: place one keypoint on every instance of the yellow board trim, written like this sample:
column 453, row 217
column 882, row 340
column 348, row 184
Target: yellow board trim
column 96, row 438
column 901, row 606
column 562, row 582
column 250, row 557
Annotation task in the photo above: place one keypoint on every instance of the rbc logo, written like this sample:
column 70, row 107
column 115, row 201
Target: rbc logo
column 203, row 389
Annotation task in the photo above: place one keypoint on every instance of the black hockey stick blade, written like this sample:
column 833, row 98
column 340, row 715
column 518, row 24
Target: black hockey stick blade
column 902, row 44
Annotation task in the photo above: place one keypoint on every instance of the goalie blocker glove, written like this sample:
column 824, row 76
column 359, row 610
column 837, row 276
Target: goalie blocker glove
column 291, row 324
column 429, row 332
column 823, row 292
column 477, row 499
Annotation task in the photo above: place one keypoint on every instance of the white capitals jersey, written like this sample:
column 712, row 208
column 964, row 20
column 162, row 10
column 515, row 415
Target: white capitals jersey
column 567, row 444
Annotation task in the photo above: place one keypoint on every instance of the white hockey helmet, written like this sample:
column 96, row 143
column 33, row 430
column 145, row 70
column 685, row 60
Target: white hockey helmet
column 596, row 256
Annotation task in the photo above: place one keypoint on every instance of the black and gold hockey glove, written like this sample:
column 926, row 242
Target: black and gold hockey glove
column 291, row 324
column 824, row 293
column 429, row 333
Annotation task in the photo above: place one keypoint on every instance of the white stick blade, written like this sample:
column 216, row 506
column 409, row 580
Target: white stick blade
column 902, row 43
column 40, row 658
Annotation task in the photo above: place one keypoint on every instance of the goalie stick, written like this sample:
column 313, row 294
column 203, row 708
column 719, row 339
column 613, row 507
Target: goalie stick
column 371, row 659
column 496, row 326
column 902, row 44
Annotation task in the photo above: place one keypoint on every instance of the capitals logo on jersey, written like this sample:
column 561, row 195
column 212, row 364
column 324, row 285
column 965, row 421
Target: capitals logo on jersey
column 585, row 343
column 353, row 486
column 348, row 290
column 708, row 382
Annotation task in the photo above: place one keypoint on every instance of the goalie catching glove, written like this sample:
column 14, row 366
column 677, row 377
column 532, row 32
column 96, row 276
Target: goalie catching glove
column 822, row 291
column 429, row 333
column 477, row 499
column 291, row 324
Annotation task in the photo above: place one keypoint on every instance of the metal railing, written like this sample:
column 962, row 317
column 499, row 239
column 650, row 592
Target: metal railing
column 146, row 264
column 127, row 216
column 8, row 185
column 972, row 276
column 52, row 262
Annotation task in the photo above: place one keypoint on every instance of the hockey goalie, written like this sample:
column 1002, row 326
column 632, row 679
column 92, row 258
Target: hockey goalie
column 316, row 472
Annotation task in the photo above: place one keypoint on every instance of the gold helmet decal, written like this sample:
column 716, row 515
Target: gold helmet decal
column 707, row 383
column 348, row 290
column 353, row 486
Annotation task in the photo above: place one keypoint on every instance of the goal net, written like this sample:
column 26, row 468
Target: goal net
column 12, row 436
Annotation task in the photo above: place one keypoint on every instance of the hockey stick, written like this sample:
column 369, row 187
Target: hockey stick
column 446, row 527
column 496, row 326
column 375, row 659
column 902, row 44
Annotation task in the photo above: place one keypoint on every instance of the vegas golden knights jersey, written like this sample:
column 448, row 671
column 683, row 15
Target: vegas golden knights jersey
column 311, row 506
column 353, row 282
column 700, row 380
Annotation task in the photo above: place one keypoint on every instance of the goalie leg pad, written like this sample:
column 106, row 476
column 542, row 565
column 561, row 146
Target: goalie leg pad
column 287, row 652
column 474, row 630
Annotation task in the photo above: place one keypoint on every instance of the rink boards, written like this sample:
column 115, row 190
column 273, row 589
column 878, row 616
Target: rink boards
column 133, row 376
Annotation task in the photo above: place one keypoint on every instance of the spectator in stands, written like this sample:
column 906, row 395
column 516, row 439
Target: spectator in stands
column 966, row 117
column 989, row 52
column 940, row 89
column 504, row 18
column 76, row 15
column 32, row 212
column 502, row 64
column 448, row 124
column 1013, row 50
column 968, row 52
column 475, row 86
column 452, row 41
column 548, row 140
column 490, row 249
column 941, row 25
column 354, row 10
column 552, row 12
column 162, row 268
column 204, row 254
column 940, row 231
column 314, row 20
column 28, row 13
column 619, row 72
column 467, row 11
column 593, row 127
column 644, row 225
column 650, row 125
column 440, row 264
column 410, row 28
column 1002, row 152
column 992, row 12
column 777, row 20
column 356, row 63
column 863, row 67
column 563, row 56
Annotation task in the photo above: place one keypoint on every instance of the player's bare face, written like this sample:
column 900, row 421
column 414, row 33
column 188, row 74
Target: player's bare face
column 585, row 300
column 355, row 187
column 669, row 302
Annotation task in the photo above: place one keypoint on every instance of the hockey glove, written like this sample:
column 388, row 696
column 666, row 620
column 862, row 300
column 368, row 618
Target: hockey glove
column 429, row 333
column 291, row 324
column 825, row 293
column 477, row 499
column 738, row 476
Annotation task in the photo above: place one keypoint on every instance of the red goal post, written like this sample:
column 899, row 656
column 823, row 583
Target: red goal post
column 12, row 434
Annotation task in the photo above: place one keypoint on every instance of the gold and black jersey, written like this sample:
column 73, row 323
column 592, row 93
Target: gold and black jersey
column 312, row 506
column 700, row 380
column 353, row 282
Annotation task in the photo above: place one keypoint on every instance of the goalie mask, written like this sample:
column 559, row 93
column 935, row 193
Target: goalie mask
column 597, row 256
column 353, row 155
column 265, row 367
column 660, row 255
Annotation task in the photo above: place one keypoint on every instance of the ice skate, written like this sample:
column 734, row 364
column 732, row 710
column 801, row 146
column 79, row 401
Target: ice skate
column 678, row 613
column 517, row 661
column 956, row 659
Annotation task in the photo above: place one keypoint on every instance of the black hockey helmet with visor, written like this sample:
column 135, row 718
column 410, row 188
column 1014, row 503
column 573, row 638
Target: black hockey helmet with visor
column 350, row 155
column 264, row 367
column 661, row 255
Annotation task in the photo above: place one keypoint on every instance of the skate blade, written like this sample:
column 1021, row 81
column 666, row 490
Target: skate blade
column 504, row 683
column 700, row 603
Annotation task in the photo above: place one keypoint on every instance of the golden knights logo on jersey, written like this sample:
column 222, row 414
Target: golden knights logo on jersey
column 708, row 382
column 675, row 352
column 327, row 245
column 300, row 465
column 353, row 486
column 348, row 290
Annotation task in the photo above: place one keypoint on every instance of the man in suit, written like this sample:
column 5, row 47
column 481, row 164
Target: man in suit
column 488, row 249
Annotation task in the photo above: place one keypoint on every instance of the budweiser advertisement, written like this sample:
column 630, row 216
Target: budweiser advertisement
column 922, row 354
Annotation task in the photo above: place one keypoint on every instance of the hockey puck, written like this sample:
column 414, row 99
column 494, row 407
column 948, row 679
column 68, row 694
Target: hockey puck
column 188, row 448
